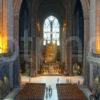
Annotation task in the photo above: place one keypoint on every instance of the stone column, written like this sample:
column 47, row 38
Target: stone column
column 16, row 47
column 63, row 48
column 37, row 53
column 92, row 25
column 34, row 43
column 67, row 36
column 11, row 38
column 92, row 34
column 89, row 40
column 91, row 75
column 86, row 48
column 64, row 44
column 70, row 18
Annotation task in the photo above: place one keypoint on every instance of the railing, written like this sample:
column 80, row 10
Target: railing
column 92, row 57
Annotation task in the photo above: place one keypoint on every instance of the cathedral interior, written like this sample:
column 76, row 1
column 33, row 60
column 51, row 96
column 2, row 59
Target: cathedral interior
column 49, row 49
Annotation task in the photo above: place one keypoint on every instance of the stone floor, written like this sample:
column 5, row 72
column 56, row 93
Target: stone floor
column 50, row 81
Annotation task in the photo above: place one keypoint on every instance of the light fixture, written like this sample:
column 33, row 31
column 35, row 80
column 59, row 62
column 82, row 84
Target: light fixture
column 97, row 44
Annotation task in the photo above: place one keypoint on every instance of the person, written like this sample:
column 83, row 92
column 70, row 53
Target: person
column 97, row 95
column 78, row 83
column 46, row 92
column 58, row 80
column 50, row 91
column 67, row 81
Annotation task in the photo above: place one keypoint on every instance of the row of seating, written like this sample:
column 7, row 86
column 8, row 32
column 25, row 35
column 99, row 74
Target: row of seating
column 70, row 92
column 35, row 91
column 31, row 91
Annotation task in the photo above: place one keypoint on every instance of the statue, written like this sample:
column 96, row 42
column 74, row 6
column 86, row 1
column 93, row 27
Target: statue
column 50, row 53
column 76, row 69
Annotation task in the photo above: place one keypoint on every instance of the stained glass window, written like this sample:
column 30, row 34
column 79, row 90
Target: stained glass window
column 51, row 31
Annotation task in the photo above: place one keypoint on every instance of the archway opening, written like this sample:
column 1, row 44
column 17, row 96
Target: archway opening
column 78, row 36
column 23, row 39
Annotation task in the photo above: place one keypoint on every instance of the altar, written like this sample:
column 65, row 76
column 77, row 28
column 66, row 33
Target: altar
column 51, row 69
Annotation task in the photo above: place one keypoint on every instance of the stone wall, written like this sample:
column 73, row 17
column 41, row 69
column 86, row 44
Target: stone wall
column 5, row 85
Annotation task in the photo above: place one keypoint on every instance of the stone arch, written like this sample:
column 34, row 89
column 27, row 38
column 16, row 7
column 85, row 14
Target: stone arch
column 85, row 6
column 17, row 5
column 68, row 43
column 86, row 16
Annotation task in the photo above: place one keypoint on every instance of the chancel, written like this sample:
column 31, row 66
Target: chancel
column 49, row 49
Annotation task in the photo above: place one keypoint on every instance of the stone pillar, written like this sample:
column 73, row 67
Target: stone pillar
column 37, row 53
column 63, row 48
column 16, row 48
column 92, row 25
column 92, row 34
column 89, row 46
column 86, row 48
column 34, row 43
column 41, row 49
column 67, row 37
column 10, row 37
column 91, row 74
column 70, row 31
column 40, row 43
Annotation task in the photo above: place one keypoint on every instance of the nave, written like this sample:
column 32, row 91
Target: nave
column 49, row 37
column 51, row 81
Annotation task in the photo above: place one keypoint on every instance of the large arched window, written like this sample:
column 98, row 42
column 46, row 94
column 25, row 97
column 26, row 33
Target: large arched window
column 51, row 31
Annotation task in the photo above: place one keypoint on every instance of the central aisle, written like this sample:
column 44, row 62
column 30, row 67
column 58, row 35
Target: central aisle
column 52, row 81
column 49, row 81
column 53, row 97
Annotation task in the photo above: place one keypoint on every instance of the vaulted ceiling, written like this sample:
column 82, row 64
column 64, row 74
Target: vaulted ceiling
column 51, row 7
column 17, row 3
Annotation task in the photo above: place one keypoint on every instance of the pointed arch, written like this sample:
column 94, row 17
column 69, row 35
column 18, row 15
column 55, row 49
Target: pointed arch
column 51, row 30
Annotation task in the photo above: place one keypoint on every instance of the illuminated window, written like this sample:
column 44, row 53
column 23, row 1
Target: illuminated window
column 3, row 43
column 97, row 44
column 3, row 28
column 51, row 31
